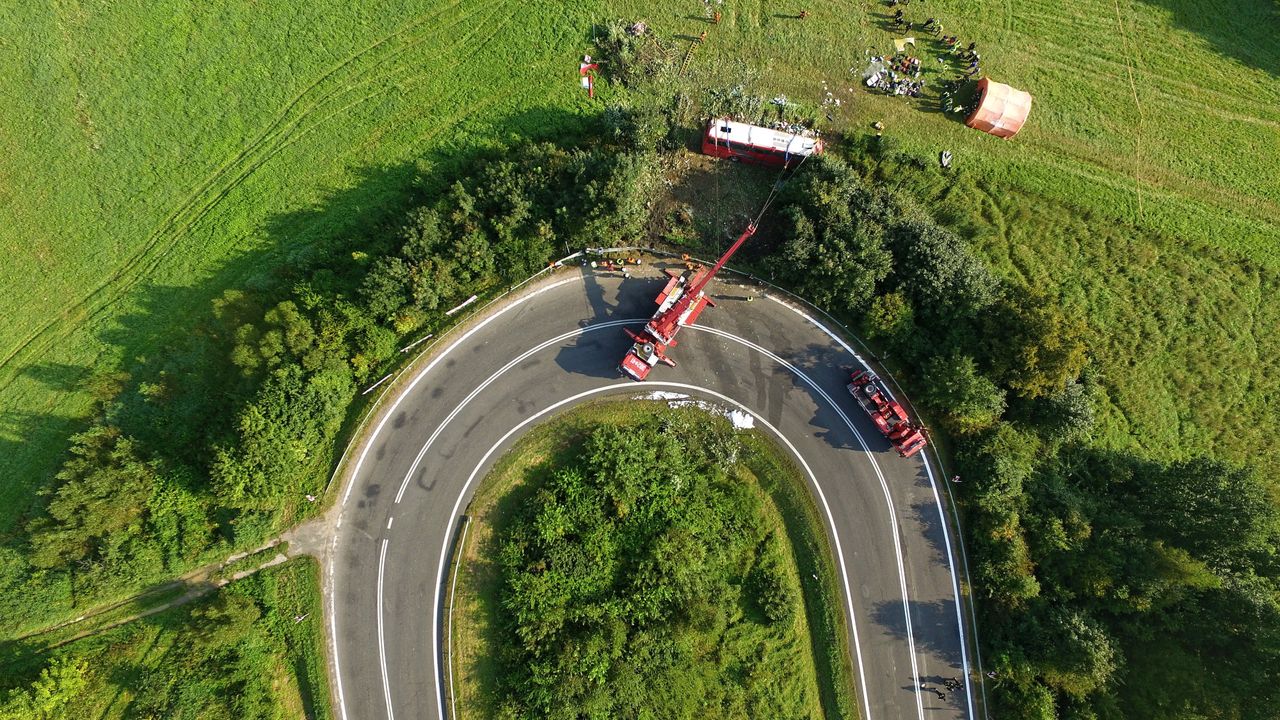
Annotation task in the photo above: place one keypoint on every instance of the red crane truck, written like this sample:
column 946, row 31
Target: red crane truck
column 886, row 413
column 680, row 303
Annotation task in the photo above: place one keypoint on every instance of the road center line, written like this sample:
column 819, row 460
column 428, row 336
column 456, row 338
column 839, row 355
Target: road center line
column 937, row 499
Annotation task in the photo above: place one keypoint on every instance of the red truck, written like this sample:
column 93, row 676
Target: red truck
column 886, row 413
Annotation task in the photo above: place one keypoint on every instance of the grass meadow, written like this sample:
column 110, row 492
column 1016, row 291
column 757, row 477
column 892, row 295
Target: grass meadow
column 154, row 155
column 157, row 154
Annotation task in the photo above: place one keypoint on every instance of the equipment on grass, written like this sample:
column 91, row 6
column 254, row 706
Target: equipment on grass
column 680, row 303
column 886, row 413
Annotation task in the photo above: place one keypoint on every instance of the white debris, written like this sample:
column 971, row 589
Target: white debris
column 741, row 420
column 663, row 395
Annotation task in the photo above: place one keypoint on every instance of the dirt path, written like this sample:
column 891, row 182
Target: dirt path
column 310, row 539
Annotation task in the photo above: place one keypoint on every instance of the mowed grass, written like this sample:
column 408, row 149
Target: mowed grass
column 1163, row 114
column 817, row 650
column 157, row 154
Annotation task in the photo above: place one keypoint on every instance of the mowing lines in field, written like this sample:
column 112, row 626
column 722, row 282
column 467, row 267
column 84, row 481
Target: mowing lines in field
column 1129, row 49
column 282, row 131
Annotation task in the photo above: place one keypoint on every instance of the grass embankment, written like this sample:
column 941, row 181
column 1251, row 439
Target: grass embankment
column 252, row 649
column 1185, row 340
column 811, row 659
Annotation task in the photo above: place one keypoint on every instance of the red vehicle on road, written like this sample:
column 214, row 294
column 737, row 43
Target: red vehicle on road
column 759, row 145
column 680, row 303
column 886, row 413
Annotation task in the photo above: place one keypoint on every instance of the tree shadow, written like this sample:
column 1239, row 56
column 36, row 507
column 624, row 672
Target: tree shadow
column 1244, row 30
column 632, row 300
column 181, row 392
column 933, row 628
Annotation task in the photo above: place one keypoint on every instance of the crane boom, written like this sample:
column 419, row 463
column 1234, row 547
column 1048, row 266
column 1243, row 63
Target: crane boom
column 679, row 304
column 666, row 323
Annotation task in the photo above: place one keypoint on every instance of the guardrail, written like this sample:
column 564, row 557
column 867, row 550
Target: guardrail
column 374, row 405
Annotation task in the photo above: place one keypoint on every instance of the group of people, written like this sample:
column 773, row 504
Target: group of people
column 951, row 684
column 900, row 76
column 930, row 25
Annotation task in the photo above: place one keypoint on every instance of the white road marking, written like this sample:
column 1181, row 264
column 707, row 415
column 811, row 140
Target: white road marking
column 946, row 534
column 883, row 484
column 453, row 592
column 421, row 374
column 884, row 488
column 389, row 522
column 382, row 643
column 355, row 473
column 630, row 384
column 413, row 467
column 333, row 628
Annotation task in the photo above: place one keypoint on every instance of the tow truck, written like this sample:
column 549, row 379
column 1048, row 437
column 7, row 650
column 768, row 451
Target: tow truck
column 680, row 303
column 887, row 414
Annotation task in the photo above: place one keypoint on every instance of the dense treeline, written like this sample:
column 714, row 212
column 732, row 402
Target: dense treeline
column 250, row 650
column 1107, row 586
column 642, row 580
column 219, row 444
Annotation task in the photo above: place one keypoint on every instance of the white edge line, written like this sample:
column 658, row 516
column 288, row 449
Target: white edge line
column 629, row 384
column 421, row 374
column 422, row 452
column 418, row 377
column 382, row 646
column 453, row 592
column 333, row 628
column 355, row 473
column 884, row 487
column 946, row 535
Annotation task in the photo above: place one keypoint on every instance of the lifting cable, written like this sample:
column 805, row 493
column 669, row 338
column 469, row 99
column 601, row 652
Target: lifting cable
column 781, row 181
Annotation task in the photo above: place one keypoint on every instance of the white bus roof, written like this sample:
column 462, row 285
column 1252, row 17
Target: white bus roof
column 728, row 131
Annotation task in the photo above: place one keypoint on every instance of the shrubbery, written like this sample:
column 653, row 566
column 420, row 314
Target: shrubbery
column 641, row 581
column 1108, row 586
column 219, row 446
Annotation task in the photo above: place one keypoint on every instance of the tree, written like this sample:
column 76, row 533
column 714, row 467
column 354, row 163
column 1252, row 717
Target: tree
column 1214, row 511
column 890, row 318
column 50, row 697
column 944, row 278
column 99, row 501
column 386, row 288
column 952, row 386
column 271, row 454
column 1035, row 346
column 1067, row 415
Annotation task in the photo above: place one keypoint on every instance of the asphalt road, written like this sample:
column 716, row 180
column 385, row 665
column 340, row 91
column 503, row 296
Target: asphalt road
column 557, row 345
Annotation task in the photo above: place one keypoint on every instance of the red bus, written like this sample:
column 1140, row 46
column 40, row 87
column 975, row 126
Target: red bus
column 755, row 144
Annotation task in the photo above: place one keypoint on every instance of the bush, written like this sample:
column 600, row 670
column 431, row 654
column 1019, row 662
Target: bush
column 968, row 402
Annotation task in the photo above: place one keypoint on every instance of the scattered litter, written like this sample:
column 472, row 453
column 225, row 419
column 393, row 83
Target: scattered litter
column 663, row 395
column 740, row 420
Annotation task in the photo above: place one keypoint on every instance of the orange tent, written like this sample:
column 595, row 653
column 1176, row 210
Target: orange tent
column 1001, row 110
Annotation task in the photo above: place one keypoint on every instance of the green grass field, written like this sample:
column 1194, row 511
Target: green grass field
column 154, row 156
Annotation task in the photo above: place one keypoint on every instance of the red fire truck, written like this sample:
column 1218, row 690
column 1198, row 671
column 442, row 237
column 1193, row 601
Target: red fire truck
column 759, row 145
